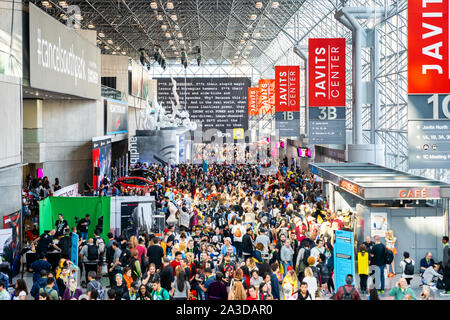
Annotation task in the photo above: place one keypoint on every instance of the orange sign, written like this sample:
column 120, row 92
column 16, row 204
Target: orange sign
column 353, row 188
column 266, row 96
column 253, row 102
column 412, row 193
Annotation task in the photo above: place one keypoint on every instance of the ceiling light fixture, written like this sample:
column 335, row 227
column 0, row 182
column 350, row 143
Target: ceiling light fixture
column 257, row 34
column 101, row 34
column 253, row 17
column 258, row 5
column 153, row 5
column 174, row 17
column 46, row 4
column 91, row 26
column 164, row 27
column 107, row 48
column 110, row 41
column 181, row 41
column 275, row 4
column 159, row 17
column 169, row 5
column 171, row 42
column 245, row 35
column 179, row 35
column 63, row 4
column 167, row 34
column 124, row 53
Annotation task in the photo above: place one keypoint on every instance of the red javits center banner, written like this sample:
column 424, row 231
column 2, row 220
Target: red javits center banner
column 428, row 84
column 326, row 74
column 253, row 102
column 287, row 100
column 428, row 46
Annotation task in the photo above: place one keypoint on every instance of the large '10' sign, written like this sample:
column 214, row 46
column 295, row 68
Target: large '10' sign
column 440, row 106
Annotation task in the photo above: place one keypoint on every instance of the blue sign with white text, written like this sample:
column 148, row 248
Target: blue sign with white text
column 344, row 257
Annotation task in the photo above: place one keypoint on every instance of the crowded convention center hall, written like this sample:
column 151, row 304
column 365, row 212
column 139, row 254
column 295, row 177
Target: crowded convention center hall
column 217, row 153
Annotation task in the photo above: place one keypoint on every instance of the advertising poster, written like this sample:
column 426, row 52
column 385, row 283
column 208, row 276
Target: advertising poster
column 5, row 239
column 428, row 84
column 215, row 103
column 69, row 63
column 139, row 80
column 116, row 113
column 344, row 257
column 327, row 91
column 13, row 245
column 378, row 224
column 69, row 191
column 101, row 161
column 287, row 100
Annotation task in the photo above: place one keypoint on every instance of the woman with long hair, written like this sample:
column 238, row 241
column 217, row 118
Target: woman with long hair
column 290, row 281
column 390, row 245
column 311, row 281
column 181, row 287
column 20, row 290
column 143, row 293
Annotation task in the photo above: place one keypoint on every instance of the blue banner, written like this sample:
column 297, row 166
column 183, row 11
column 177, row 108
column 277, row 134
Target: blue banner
column 344, row 257
column 74, row 251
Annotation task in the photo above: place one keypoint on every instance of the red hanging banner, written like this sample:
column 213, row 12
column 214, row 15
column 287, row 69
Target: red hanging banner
column 253, row 102
column 326, row 72
column 287, row 88
column 428, row 46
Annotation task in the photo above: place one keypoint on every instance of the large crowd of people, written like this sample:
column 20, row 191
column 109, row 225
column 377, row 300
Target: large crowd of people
column 231, row 233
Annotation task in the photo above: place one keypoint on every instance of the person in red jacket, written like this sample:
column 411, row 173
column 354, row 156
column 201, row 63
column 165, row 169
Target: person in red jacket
column 347, row 291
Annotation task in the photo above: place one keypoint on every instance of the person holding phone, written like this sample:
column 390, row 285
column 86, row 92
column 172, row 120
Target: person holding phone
column 401, row 291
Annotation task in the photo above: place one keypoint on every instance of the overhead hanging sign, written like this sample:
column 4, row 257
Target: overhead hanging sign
column 69, row 191
column 428, row 84
column 253, row 102
column 326, row 72
column 266, row 96
column 116, row 113
column 287, row 100
column 60, row 59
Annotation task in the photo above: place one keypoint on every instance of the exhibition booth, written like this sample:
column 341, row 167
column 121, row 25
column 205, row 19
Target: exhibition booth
column 414, row 208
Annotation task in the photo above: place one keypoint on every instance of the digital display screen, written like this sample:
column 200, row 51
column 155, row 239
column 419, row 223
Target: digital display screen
column 304, row 152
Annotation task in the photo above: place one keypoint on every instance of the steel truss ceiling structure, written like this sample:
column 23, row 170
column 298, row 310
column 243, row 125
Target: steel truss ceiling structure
column 232, row 44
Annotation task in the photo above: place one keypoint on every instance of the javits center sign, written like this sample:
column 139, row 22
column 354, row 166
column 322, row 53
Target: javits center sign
column 428, row 84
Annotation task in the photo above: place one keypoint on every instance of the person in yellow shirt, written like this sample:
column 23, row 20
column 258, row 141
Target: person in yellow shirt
column 363, row 268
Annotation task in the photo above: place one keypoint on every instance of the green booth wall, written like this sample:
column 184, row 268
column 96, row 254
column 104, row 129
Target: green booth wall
column 72, row 207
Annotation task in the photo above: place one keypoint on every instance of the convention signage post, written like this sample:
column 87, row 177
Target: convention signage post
column 344, row 257
column 327, row 92
column 428, row 84
column 287, row 101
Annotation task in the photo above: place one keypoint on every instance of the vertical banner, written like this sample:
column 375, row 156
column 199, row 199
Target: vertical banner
column 253, row 102
column 428, row 84
column 327, row 92
column 344, row 257
column 287, row 100
column 101, row 161
column 266, row 97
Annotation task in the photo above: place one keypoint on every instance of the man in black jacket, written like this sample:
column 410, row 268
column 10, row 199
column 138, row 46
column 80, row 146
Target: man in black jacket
column 247, row 244
column 378, row 253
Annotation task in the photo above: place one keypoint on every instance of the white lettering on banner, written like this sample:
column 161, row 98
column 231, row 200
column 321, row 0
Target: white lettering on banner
column 69, row 191
column 56, row 57
column 433, row 49
column 116, row 108
column 321, row 64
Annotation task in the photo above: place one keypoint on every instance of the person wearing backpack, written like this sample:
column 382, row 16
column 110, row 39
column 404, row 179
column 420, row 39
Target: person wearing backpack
column 238, row 232
column 100, row 243
column 407, row 267
column 347, row 291
column 90, row 257
column 50, row 290
column 302, row 259
column 95, row 285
